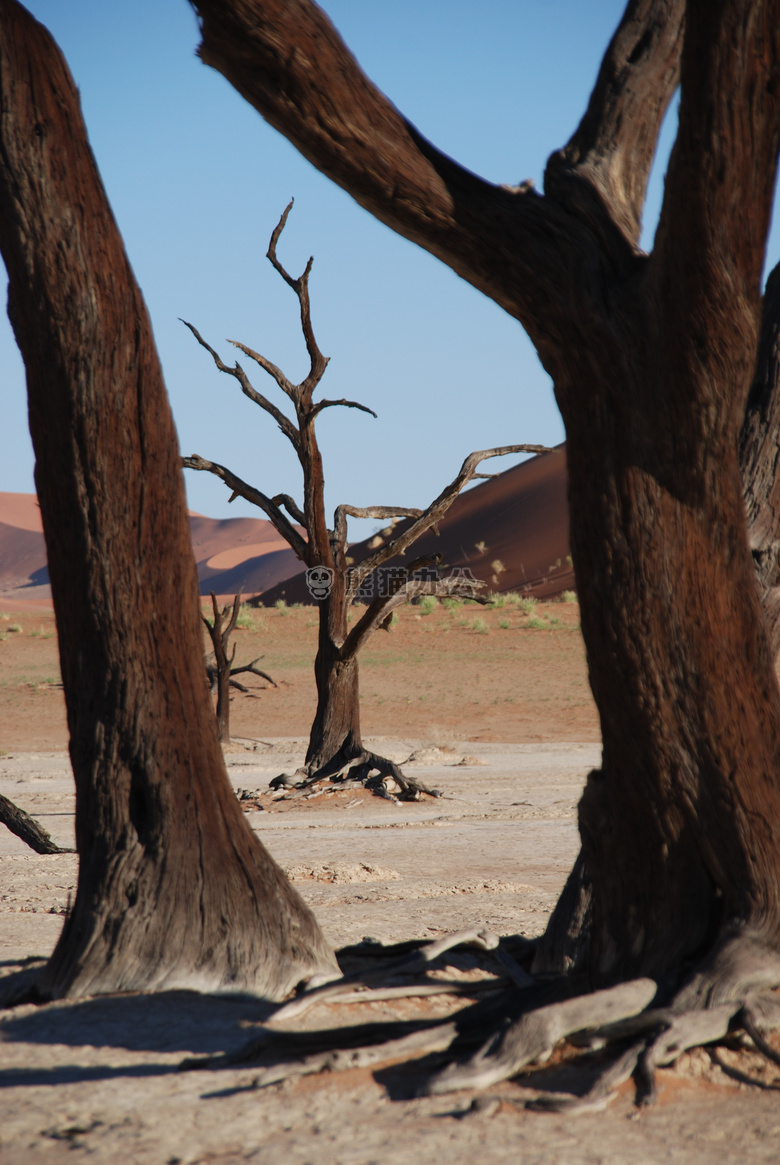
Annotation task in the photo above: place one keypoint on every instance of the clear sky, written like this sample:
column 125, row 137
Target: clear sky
column 197, row 181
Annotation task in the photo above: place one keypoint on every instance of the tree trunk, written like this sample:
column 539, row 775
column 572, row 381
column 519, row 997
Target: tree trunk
column 760, row 463
column 220, row 637
column 174, row 889
column 681, row 826
column 336, row 728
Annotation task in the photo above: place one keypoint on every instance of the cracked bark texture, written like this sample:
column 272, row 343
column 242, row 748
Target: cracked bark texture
column 652, row 357
column 174, row 889
column 760, row 464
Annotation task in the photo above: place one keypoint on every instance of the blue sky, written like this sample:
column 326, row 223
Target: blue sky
column 197, row 181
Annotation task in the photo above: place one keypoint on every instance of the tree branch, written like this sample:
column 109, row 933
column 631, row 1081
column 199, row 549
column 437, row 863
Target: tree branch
column 380, row 609
column 288, row 61
column 27, row 829
column 284, row 423
column 291, row 506
column 279, row 520
column 709, row 248
column 438, row 508
column 611, row 153
column 268, row 366
column 254, row 669
column 349, row 404
column 318, row 362
column 341, row 512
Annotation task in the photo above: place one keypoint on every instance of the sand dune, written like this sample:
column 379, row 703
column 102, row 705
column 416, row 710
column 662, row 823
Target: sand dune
column 232, row 554
column 511, row 531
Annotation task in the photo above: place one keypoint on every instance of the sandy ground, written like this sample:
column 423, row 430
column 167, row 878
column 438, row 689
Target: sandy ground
column 98, row 1080
column 503, row 675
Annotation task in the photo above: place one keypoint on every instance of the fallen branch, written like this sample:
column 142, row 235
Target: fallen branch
column 27, row 829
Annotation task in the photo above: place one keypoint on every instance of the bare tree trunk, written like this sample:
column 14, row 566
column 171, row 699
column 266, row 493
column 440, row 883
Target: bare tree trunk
column 760, row 461
column 220, row 637
column 336, row 727
column 652, row 358
column 174, row 889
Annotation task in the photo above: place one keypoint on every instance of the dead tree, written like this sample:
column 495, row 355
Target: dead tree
column 219, row 668
column 652, row 357
column 335, row 741
column 174, row 889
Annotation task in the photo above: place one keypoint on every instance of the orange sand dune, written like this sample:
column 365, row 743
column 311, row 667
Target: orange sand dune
column 232, row 554
column 512, row 532
column 21, row 511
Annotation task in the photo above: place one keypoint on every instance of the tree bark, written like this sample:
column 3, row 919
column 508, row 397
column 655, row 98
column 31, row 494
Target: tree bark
column 760, row 463
column 336, row 727
column 651, row 358
column 174, row 889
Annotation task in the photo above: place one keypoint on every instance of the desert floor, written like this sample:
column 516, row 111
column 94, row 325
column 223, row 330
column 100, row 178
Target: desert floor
column 497, row 714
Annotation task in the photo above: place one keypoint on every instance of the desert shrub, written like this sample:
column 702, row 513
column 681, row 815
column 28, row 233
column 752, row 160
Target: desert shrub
column 451, row 604
column 281, row 606
column 504, row 624
column 428, row 604
column 568, row 597
column 479, row 625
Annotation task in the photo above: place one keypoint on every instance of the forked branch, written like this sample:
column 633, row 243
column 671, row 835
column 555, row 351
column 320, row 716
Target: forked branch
column 613, row 147
column 284, row 423
column 318, row 362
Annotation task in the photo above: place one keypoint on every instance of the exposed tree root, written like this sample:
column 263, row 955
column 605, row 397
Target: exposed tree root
column 406, row 964
column 364, row 768
column 533, row 1036
column 524, row 1024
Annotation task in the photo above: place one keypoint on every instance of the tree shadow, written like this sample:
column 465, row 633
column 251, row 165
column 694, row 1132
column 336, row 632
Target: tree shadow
column 170, row 1022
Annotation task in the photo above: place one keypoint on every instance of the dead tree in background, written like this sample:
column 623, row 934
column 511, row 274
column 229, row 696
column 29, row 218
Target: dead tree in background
column 335, row 741
column 219, row 668
column 174, row 889
column 652, row 357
